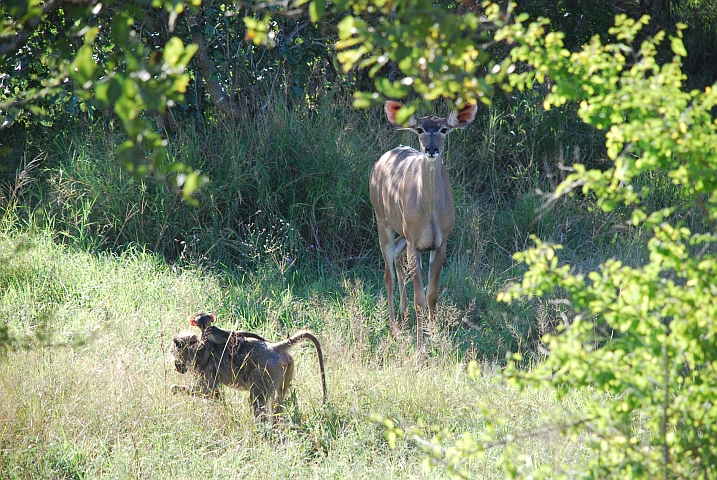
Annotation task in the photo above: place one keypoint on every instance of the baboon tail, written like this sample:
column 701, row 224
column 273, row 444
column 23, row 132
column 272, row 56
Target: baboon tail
column 302, row 336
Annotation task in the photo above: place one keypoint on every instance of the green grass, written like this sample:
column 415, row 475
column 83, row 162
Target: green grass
column 284, row 238
column 94, row 400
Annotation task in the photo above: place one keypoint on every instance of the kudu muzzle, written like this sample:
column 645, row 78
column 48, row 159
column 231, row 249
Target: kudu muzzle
column 432, row 151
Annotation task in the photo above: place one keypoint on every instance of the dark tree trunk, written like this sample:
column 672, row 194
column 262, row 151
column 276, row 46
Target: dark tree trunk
column 217, row 94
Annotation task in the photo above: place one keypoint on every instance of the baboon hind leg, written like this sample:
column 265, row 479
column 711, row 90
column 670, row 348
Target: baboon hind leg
column 261, row 398
column 283, row 386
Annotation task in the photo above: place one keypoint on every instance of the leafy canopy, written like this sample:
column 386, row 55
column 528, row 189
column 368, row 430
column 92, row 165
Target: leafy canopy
column 59, row 57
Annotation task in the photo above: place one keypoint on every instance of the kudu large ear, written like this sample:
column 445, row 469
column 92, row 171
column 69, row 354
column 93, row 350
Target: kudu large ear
column 391, row 108
column 464, row 117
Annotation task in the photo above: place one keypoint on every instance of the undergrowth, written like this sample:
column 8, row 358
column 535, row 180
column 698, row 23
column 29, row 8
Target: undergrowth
column 94, row 401
column 287, row 199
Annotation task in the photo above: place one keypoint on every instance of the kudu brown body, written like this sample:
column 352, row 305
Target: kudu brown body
column 412, row 198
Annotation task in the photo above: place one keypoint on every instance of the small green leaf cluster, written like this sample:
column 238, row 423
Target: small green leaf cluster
column 259, row 30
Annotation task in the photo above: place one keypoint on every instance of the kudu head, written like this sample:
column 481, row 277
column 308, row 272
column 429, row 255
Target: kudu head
column 432, row 131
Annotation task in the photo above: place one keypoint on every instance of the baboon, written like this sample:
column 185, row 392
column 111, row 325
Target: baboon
column 263, row 368
column 218, row 336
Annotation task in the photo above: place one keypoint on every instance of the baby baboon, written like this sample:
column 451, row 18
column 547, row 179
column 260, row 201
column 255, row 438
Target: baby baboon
column 263, row 368
column 218, row 336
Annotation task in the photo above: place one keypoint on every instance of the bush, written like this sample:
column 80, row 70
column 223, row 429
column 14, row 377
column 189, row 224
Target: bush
column 641, row 338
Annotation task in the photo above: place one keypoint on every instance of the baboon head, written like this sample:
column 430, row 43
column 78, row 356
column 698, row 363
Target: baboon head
column 184, row 351
column 202, row 320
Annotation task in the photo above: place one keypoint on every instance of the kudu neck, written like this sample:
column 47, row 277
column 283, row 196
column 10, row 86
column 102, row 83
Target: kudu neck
column 432, row 181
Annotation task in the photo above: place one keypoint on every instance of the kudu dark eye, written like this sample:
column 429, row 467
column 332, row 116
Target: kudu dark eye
column 420, row 131
column 444, row 130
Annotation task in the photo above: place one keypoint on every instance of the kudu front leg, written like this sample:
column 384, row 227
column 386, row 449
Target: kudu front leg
column 419, row 298
column 435, row 264
column 386, row 237
column 389, row 281
column 399, row 260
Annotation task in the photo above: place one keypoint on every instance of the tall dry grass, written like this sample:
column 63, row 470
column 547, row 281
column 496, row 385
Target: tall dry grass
column 98, row 271
column 94, row 401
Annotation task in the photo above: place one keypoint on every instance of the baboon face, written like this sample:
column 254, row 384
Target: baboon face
column 180, row 367
column 184, row 351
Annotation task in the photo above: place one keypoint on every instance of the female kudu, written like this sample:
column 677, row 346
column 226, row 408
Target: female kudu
column 412, row 198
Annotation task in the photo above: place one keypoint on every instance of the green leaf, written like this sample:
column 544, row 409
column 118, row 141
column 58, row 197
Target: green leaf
column 120, row 28
column 638, row 216
column 678, row 47
column 190, row 181
column 405, row 113
column 173, row 50
column 126, row 154
column 125, row 108
column 367, row 100
column 473, row 369
column 189, row 51
column 392, row 89
column 391, row 437
column 256, row 30
column 316, row 10
column 109, row 90
column 84, row 66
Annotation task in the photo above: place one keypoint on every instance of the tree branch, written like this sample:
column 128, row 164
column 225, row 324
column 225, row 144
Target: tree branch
column 20, row 38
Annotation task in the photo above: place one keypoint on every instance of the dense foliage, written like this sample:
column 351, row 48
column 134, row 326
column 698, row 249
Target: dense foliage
column 642, row 333
column 63, row 58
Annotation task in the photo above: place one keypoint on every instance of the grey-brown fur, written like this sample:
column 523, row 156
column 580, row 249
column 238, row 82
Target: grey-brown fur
column 263, row 368
column 218, row 336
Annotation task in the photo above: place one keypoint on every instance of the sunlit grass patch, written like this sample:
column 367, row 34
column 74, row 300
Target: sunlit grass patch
column 103, row 408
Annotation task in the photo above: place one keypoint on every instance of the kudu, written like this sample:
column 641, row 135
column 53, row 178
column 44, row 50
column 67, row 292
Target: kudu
column 412, row 198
